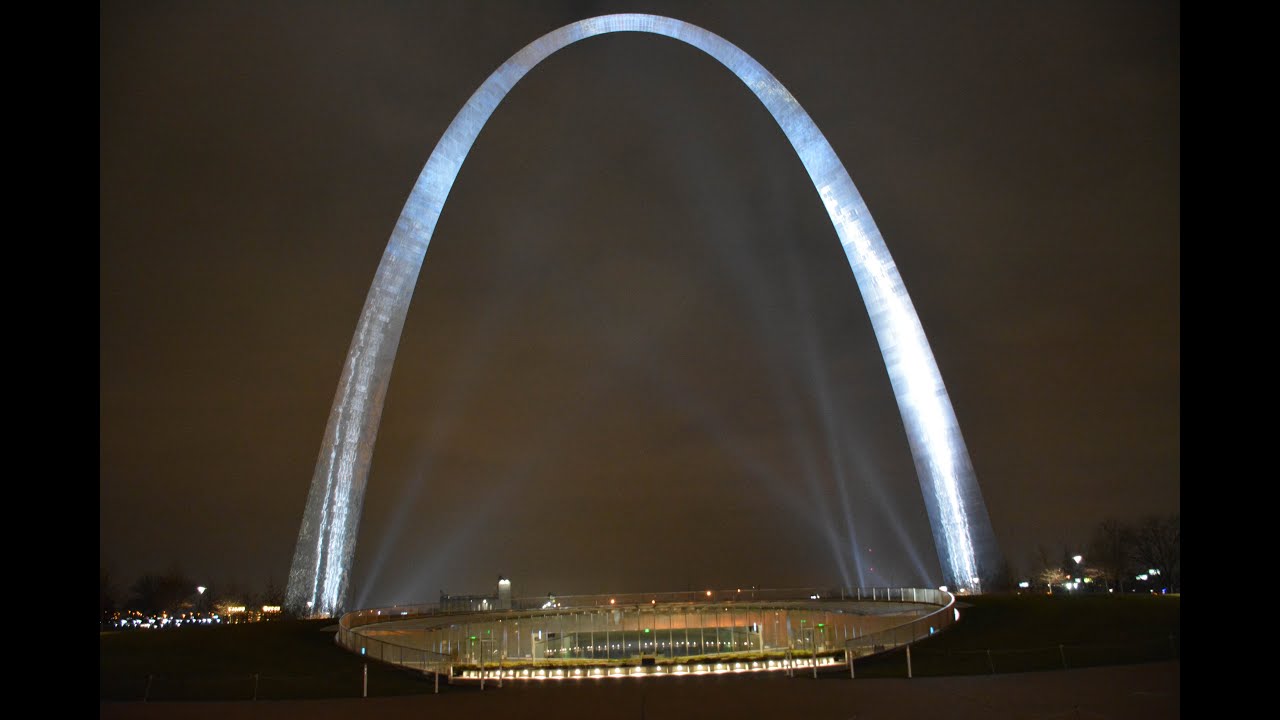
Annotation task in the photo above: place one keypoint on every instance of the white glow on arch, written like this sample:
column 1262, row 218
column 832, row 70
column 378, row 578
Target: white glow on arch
column 326, row 541
column 917, row 383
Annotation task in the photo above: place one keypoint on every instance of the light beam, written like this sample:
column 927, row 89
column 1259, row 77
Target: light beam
column 962, row 532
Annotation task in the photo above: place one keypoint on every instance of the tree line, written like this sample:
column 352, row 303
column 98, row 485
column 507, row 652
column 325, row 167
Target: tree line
column 173, row 591
column 1120, row 557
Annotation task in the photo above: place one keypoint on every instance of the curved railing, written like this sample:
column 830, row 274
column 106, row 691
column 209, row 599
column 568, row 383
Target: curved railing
column 636, row 628
column 907, row 633
column 426, row 661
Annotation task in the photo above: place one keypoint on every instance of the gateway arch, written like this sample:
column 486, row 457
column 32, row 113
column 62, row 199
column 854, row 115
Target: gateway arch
column 962, row 533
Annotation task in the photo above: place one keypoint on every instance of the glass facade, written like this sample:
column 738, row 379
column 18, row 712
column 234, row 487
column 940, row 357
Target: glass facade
column 597, row 631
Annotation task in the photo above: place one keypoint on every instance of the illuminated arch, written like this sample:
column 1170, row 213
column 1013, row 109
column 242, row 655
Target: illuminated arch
column 326, row 542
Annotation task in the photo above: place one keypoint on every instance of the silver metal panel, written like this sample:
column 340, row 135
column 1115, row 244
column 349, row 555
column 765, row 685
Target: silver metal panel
column 326, row 542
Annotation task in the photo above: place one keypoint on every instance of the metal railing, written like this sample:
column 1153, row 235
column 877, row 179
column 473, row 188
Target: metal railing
column 425, row 661
column 912, row 631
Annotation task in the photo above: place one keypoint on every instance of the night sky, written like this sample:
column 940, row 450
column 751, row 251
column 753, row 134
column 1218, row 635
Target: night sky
column 636, row 358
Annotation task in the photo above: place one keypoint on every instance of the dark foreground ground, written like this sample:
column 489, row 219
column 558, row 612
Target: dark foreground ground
column 1148, row 690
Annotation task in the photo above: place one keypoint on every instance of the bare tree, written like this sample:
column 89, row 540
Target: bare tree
column 107, row 593
column 1052, row 576
column 1157, row 545
column 1001, row 578
column 157, row 593
column 150, row 594
column 1047, row 571
column 274, row 594
column 229, row 594
column 1111, row 552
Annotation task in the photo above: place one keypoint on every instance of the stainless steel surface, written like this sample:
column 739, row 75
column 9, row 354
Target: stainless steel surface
column 962, row 531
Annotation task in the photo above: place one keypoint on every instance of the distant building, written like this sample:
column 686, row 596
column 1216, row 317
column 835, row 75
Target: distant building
column 504, row 593
column 477, row 603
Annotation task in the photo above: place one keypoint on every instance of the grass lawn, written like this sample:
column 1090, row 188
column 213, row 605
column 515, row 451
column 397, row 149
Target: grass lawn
column 1023, row 633
column 297, row 659
column 293, row 659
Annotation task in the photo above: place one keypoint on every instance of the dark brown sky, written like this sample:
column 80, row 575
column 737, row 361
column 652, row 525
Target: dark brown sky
column 636, row 356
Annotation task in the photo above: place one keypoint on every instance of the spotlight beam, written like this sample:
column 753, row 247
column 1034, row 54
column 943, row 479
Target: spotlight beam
column 319, row 575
